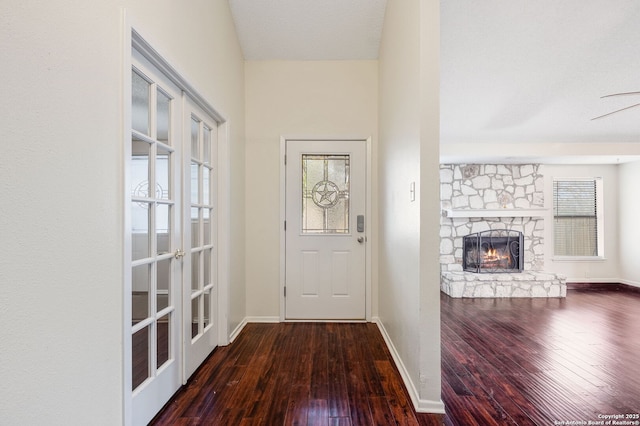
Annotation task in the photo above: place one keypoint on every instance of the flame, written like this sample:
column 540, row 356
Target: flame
column 493, row 255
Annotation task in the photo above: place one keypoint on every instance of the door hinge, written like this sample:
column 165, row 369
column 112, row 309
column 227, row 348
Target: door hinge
column 285, row 225
column 285, row 159
column 285, row 292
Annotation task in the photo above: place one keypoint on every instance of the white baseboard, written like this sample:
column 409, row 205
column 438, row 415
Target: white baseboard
column 611, row 281
column 262, row 319
column 421, row 405
column 247, row 320
column 236, row 332
column 631, row 283
column 594, row 280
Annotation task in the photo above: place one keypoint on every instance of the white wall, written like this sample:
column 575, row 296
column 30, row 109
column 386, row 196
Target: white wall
column 61, row 217
column 629, row 231
column 600, row 270
column 323, row 99
column 409, row 303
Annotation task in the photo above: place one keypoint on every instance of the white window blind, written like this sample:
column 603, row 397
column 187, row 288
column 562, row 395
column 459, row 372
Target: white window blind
column 575, row 218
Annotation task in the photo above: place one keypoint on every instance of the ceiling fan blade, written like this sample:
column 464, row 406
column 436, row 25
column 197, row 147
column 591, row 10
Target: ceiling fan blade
column 613, row 112
column 620, row 94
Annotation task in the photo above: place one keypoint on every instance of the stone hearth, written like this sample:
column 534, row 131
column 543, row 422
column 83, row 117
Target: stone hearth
column 525, row 284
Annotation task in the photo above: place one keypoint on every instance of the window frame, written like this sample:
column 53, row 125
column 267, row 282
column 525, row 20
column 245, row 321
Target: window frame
column 599, row 182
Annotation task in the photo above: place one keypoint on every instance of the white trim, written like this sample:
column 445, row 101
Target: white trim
column 283, row 235
column 611, row 281
column 224, row 226
column 368, row 229
column 236, row 332
column 630, row 283
column 420, row 405
column 246, row 320
column 153, row 56
column 578, row 259
column 125, row 89
column 263, row 319
column 600, row 214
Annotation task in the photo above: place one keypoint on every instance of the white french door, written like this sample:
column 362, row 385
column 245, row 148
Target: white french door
column 325, row 243
column 171, row 237
column 154, row 231
column 200, row 293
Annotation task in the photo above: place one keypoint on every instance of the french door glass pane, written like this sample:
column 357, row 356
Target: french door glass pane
column 195, row 198
column 207, row 267
column 206, row 188
column 163, row 105
column 207, row 308
column 140, row 357
column 195, row 271
column 139, row 168
column 325, row 194
column 163, row 228
column 195, row 227
column 206, row 146
column 139, row 230
column 195, row 138
column 163, row 284
column 140, row 282
column 206, row 222
column 162, row 340
column 195, row 315
column 163, row 160
column 140, row 89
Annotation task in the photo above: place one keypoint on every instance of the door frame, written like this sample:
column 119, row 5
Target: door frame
column 132, row 39
column 368, row 220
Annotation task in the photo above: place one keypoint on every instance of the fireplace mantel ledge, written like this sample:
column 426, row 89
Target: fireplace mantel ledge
column 536, row 212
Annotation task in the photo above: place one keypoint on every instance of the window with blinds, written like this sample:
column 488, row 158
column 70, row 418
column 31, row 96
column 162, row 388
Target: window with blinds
column 575, row 213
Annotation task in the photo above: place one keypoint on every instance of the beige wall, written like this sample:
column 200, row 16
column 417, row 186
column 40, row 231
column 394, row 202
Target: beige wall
column 318, row 99
column 61, row 170
column 629, row 231
column 409, row 303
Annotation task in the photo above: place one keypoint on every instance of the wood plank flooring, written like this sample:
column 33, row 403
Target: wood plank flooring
column 541, row 361
column 297, row 374
column 504, row 362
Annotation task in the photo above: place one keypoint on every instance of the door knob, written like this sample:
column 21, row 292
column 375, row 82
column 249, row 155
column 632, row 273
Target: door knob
column 361, row 240
column 179, row 254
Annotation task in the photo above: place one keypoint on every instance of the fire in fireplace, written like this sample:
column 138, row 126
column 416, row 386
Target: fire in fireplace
column 494, row 251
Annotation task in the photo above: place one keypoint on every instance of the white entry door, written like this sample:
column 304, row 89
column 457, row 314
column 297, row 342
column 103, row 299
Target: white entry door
column 325, row 275
column 200, row 293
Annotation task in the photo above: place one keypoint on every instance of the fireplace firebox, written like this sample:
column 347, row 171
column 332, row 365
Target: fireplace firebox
column 493, row 251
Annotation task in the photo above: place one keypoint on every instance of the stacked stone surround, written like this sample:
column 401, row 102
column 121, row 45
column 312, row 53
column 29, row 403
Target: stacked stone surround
column 490, row 187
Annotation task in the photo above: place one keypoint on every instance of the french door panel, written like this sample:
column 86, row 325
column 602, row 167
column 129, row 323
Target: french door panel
column 154, row 201
column 325, row 247
column 200, row 292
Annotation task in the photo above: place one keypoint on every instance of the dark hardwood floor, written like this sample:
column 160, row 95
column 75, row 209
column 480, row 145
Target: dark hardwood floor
column 541, row 361
column 504, row 362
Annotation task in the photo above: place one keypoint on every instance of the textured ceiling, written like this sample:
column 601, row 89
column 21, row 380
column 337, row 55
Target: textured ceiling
column 512, row 71
column 309, row 29
column 534, row 71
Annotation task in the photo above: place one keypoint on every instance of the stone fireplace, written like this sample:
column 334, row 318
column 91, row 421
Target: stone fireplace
column 498, row 202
